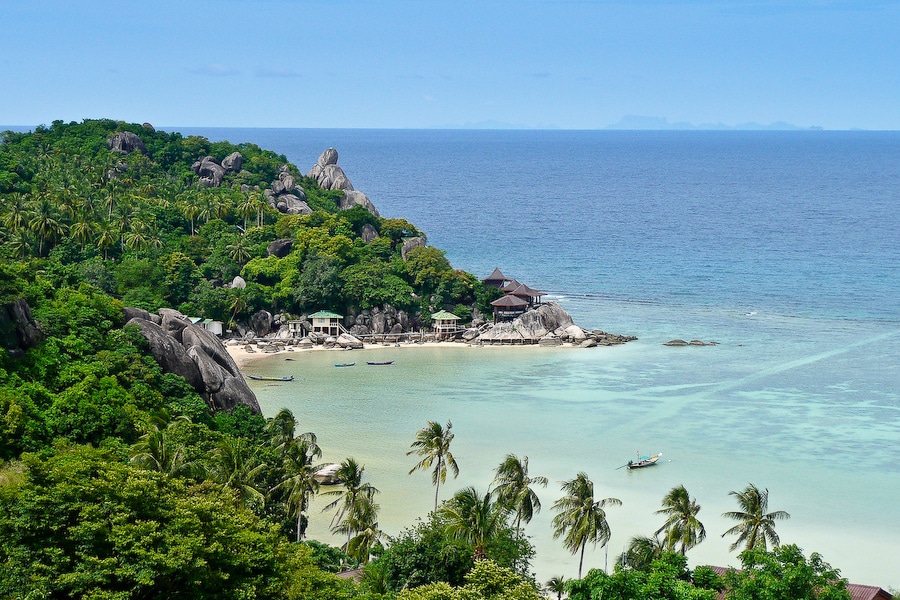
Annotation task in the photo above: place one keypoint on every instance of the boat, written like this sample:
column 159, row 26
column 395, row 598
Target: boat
column 263, row 378
column 327, row 474
column 643, row 461
column 345, row 364
column 386, row 362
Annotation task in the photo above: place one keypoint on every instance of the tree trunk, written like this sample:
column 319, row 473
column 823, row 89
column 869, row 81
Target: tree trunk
column 581, row 560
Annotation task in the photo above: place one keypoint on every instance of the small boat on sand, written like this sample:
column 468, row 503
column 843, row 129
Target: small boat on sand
column 327, row 474
column 386, row 362
column 643, row 461
column 264, row 378
column 345, row 364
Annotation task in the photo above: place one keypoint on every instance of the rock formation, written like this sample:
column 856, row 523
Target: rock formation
column 411, row 244
column 547, row 325
column 18, row 331
column 190, row 351
column 126, row 142
column 330, row 176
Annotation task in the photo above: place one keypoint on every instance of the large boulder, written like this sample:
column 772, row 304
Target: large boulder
column 18, row 330
column 280, row 248
column 345, row 340
column 126, row 142
column 173, row 322
column 261, row 322
column 292, row 205
column 410, row 245
column 353, row 198
column 369, row 233
column 233, row 162
column 210, row 172
column 169, row 353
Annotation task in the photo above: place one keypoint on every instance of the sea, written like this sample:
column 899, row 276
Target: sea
column 783, row 247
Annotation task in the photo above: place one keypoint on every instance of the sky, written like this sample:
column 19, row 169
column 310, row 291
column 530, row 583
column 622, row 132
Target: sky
column 568, row 64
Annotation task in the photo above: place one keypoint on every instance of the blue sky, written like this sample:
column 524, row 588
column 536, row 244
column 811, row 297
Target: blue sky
column 576, row 64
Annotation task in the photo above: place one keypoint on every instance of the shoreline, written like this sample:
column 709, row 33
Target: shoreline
column 243, row 358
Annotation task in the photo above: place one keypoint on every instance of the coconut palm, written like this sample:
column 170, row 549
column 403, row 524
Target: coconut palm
column 433, row 445
column 155, row 452
column 513, row 488
column 581, row 519
column 45, row 222
column 556, row 585
column 755, row 526
column 642, row 551
column 239, row 251
column 298, row 482
column 682, row 526
column 236, row 469
column 281, row 428
column 474, row 518
column 354, row 508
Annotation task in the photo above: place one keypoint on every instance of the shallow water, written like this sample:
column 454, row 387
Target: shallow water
column 781, row 246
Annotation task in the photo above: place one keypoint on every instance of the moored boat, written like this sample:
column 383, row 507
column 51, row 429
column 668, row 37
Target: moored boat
column 385, row 362
column 644, row 461
column 345, row 364
column 264, row 378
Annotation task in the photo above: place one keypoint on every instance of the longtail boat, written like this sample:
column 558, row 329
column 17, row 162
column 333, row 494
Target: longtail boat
column 643, row 461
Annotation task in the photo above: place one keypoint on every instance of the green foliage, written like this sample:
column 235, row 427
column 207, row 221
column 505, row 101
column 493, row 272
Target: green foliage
column 82, row 524
column 328, row 558
column 667, row 579
column 486, row 581
column 784, row 573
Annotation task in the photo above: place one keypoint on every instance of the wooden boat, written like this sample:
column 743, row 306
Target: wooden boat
column 643, row 461
column 263, row 378
column 345, row 364
column 386, row 362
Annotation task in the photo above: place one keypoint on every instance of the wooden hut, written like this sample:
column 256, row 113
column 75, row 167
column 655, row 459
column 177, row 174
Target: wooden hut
column 496, row 279
column 326, row 322
column 444, row 323
column 530, row 295
column 509, row 307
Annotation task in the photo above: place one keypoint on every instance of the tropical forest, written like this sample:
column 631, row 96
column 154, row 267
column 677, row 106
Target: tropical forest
column 119, row 480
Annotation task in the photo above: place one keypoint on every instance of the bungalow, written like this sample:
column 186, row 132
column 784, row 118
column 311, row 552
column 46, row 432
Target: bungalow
column 496, row 279
column 528, row 294
column 509, row 307
column 444, row 323
column 214, row 327
column 326, row 322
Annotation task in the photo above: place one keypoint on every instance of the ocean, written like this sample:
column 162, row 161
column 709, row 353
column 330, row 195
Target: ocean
column 779, row 246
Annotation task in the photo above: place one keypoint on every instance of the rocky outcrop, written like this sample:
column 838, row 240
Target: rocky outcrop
column 369, row 233
column 261, row 322
column 680, row 342
column 330, row 176
column 286, row 196
column 210, row 172
column 547, row 325
column 280, row 248
column 126, row 142
column 18, row 330
column 198, row 356
column 410, row 245
column 233, row 162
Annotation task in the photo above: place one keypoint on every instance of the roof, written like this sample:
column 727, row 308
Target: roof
column 497, row 276
column 511, row 285
column 510, row 301
column 325, row 314
column 867, row 592
column 443, row 315
column 524, row 290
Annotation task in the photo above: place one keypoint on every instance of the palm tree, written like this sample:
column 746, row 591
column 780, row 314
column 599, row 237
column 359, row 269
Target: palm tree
column 16, row 217
column 235, row 470
column 299, row 481
column 473, row 518
column 682, row 526
column 238, row 251
column 642, row 551
column 433, row 445
column 556, row 585
column 512, row 486
column 281, row 428
column 45, row 222
column 581, row 519
column 755, row 526
column 155, row 452
column 354, row 509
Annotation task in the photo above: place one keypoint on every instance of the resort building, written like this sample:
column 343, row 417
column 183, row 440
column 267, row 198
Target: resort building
column 295, row 327
column 531, row 296
column 444, row 323
column 509, row 307
column 496, row 279
column 326, row 322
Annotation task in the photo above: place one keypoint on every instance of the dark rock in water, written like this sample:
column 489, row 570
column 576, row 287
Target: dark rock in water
column 676, row 342
column 126, row 142
column 280, row 248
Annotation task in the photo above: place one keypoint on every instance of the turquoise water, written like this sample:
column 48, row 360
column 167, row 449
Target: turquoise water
column 780, row 246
